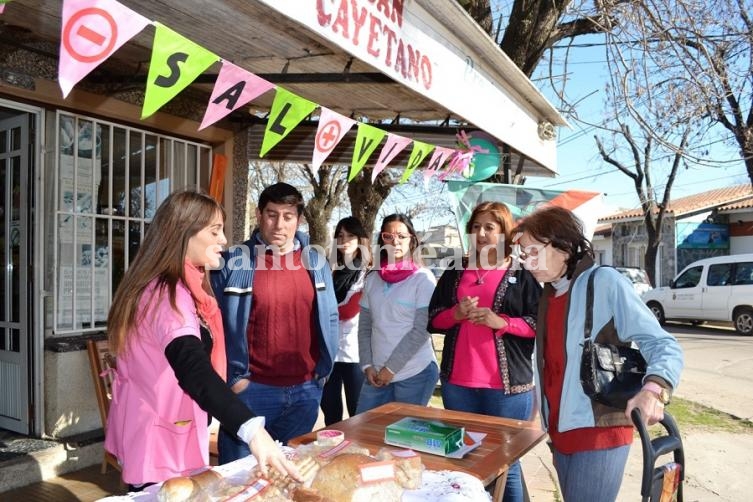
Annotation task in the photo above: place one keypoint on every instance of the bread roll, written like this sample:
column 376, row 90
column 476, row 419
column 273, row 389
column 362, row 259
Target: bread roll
column 179, row 489
column 208, row 481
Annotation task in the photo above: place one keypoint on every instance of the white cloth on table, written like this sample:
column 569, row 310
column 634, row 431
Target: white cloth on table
column 436, row 486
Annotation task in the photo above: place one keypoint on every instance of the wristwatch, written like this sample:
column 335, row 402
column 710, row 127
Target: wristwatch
column 660, row 392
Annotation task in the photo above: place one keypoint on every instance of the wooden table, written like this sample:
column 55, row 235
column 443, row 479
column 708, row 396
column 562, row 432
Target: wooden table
column 506, row 439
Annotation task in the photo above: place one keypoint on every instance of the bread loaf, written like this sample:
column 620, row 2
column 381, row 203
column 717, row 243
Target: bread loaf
column 178, row 489
column 340, row 480
column 408, row 466
column 208, row 481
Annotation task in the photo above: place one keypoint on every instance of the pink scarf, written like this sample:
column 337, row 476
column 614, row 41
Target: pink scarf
column 209, row 311
column 396, row 272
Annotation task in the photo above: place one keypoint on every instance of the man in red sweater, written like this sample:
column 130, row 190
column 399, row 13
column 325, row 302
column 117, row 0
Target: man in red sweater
column 280, row 318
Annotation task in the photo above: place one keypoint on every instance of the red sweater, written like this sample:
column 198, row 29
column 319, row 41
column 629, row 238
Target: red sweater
column 576, row 440
column 282, row 342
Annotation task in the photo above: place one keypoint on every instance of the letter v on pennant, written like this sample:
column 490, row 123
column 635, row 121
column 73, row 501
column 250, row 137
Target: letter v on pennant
column 367, row 140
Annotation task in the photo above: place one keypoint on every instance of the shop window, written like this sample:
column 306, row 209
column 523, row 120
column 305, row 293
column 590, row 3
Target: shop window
column 110, row 179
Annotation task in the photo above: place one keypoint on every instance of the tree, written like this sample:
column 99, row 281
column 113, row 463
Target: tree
column 703, row 51
column 639, row 168
column 329, row 185
column 677, row 69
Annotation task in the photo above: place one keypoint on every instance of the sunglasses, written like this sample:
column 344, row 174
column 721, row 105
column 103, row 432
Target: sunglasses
column 388, row 237
column 533, row 251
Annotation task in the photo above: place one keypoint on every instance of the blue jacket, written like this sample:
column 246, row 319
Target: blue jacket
column 233, row 287
column 619, row 315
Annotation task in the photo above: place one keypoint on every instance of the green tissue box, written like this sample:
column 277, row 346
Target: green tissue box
column 429, row 436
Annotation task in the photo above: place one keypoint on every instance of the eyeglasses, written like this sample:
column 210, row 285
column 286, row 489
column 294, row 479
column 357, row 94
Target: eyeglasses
column 533, row 251
column 388, row 237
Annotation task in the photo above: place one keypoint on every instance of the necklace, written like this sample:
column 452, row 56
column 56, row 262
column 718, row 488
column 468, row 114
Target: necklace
column 480, row 278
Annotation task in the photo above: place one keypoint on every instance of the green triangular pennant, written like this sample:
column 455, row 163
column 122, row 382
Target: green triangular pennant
column 176, row 62
column 288, row 110
column 367, row 139
column 417, row 155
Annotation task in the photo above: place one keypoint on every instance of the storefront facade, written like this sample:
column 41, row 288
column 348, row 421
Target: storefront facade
column 82, row 176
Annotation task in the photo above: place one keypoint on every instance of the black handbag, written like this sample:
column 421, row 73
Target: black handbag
column 610, row 374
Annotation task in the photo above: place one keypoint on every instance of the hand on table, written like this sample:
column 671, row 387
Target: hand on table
column 268, row 453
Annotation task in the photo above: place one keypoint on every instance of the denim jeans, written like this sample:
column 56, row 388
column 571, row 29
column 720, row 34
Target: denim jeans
column 493, row 402
column 594, row 475
column 414, row 390
column 347, row 375
column 288, row 412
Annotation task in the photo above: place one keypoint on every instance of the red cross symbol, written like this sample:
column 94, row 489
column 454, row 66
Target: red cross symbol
column 327, row 136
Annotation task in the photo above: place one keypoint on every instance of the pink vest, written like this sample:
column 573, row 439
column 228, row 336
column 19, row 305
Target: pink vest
column 154, row 428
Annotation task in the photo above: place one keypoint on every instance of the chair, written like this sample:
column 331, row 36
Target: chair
column 102, row 362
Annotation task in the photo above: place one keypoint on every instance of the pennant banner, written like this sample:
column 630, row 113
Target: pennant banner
column 438, row 159
column 91, row 31
column 2, row 7
column 522, row 200
column 392, row 147
column 234, row 88
column 176, row 62
column 332, row 128
column 419, row 153
column 287, row 112
column 367, row 140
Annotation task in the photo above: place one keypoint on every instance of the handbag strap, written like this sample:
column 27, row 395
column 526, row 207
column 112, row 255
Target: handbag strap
column 589, row 305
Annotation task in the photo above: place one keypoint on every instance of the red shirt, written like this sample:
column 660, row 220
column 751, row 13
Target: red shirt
column 282, row 343
column 576, row 440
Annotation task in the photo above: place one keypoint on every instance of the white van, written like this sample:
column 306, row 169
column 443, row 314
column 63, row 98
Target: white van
column 713, row 289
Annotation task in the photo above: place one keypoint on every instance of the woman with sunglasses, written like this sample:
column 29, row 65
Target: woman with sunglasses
column 395, row 348
column 486, row 308
column 590, row 440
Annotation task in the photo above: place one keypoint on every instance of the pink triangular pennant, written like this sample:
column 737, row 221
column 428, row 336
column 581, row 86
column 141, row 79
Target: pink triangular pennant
column 2, row 7
column 438, row 159
column 92, row 30
column 332, row 128
column 234, row 88
column 392, row 147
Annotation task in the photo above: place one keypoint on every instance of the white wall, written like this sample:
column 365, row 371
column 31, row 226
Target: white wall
column 603, row 245
column 742, row 244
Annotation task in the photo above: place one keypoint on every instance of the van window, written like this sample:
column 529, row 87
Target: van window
column 690, row 278
column 719, row 274
column 744, row 273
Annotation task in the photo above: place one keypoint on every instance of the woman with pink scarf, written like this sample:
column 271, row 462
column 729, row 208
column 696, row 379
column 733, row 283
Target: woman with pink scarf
column 395, row 348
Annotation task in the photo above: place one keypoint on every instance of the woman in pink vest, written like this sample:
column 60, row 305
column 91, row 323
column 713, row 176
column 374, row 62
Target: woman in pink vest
column 166, row 331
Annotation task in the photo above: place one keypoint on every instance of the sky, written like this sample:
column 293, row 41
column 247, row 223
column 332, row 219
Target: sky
column 579, row 163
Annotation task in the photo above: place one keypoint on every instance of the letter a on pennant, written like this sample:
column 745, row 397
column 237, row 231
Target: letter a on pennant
column 332, row 128
column 91, row 31
column 176, row 62
column 288, row 110
column 367, row 140
column 438, row 159
column 234, row 88
column 419, row 153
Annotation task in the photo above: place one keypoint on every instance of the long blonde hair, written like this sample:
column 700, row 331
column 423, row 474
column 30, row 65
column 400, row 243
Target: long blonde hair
column 161, row 255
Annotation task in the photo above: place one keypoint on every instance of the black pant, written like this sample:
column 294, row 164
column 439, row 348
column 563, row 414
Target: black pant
column 350, row 376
